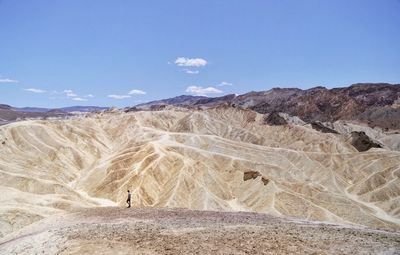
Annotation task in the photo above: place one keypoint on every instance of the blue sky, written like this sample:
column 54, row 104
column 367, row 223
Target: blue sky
column 120, row 53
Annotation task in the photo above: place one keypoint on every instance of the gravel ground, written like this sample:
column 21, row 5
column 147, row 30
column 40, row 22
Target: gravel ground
column 181, row 231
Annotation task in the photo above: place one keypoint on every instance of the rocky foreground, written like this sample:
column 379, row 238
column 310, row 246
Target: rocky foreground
column 116, row 230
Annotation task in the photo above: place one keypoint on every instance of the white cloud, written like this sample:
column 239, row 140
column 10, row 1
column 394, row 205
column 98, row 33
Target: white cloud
column 6, row 80
column 36, row 90
column 200, row 91
column 137, row 92
column 69, row 93
column 89, row 95
column 79, row 99
column 191, row 71
column 194, row 62
column 119, row 96
column 224, row 83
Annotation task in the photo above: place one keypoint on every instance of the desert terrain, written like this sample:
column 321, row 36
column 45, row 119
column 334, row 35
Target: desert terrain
column 223, row 158
column 180, row 231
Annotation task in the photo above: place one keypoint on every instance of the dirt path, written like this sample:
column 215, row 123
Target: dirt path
column 179, row 231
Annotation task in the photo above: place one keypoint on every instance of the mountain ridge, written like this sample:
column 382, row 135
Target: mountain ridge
column 375, row 104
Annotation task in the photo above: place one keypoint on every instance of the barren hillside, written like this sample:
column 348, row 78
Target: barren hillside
column 222, row 159
column 179, row 231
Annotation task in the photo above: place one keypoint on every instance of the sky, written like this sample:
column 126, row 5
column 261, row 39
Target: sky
column 122, row 53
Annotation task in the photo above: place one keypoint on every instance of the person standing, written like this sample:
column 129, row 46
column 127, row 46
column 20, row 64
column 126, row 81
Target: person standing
column 129, row 199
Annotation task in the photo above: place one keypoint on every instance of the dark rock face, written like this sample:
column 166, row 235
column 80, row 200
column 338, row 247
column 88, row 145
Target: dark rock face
column 265, row 181
column 251, row 175
column 274, row 119
column 157, row 107
column 362, row 142
column 320, row 127
column 131, row 109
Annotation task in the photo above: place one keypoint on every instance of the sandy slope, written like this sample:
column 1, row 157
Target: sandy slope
column 196, row 160
column 178, row 231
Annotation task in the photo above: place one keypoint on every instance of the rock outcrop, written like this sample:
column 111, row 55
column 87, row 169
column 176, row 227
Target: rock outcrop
column 274, row 119
column 322, row 128
column 362, row 142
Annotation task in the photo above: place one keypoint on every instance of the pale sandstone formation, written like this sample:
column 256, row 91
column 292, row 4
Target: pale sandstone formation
column 193, row 159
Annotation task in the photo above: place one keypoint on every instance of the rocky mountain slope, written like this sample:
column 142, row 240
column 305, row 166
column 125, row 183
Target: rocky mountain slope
column 223, row 158
column 376, row 104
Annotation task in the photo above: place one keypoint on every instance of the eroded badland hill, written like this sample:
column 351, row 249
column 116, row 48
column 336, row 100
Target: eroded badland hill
column 220, row 159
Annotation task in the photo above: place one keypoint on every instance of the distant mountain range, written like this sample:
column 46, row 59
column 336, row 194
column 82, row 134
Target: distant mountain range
column 9, row 114
column 186, row 100
column 63, row 109
column 376, row 104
